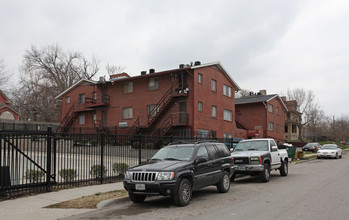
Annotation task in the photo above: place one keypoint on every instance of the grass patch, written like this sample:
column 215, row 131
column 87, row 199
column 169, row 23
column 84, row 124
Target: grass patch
column 89, row 202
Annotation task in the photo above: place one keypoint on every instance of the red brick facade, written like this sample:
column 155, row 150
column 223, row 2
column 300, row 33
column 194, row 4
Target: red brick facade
column 130, row 98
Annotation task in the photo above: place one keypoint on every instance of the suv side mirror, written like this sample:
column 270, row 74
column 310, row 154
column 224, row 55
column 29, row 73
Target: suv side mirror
column 200, row 160
column 231, row 150
column 274, row 148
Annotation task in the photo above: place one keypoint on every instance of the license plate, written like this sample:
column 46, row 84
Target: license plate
column 241, row 168
column 140, row 187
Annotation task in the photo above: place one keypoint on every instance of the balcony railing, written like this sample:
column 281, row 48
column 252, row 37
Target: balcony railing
column 101, row 100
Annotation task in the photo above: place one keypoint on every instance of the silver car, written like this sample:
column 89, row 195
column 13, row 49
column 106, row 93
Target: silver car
column 329, row 151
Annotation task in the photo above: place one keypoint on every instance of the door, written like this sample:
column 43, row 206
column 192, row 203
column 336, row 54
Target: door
column 275, row 155
column 202, row 170
column 182, row 112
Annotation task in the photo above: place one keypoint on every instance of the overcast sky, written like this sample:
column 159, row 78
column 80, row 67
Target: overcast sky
column 274, row 45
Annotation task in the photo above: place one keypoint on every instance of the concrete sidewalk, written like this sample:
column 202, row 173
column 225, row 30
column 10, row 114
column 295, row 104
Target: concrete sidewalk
column 32, row 207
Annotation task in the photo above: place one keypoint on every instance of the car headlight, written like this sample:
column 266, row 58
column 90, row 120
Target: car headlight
column 255, row 160
column 128, row 175
column 165, row 176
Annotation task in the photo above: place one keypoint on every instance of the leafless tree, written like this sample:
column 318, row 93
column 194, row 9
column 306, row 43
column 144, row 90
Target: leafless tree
column 243, row 93
column 4, row 76
column 307, row 106
column 45, row 74
column 112, row 69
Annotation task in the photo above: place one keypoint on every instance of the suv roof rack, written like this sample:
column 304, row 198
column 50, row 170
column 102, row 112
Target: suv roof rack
column 193, row 142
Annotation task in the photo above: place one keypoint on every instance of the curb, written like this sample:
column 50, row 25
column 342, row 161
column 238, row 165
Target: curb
column 110, row 202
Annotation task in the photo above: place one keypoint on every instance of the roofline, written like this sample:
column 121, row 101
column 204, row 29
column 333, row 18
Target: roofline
column 6, row 106
column 76, row 84
column 7, row 99
column 273, row 97
column 221, row 68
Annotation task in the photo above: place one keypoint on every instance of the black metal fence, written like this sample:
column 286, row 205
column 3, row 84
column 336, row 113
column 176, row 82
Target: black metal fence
column 39, row 161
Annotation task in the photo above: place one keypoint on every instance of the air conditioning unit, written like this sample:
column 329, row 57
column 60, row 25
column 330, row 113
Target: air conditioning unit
column 123, row 124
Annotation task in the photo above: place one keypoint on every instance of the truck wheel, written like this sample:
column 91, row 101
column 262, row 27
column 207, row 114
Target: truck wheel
column 183, row 193
column 224, row 184
column 284, row 168
column 265, row 174
column 136, row 198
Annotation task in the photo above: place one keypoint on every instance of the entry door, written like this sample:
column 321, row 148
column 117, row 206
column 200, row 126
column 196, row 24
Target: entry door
column 182, row 112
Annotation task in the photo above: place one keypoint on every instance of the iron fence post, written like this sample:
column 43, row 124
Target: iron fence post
column 48, row 165
column 102, row 156
column 140, row 150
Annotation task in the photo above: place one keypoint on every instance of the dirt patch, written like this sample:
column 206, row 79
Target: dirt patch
column 89, row 202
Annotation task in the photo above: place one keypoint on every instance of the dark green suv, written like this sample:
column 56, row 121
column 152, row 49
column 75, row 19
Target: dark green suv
column 180, row 168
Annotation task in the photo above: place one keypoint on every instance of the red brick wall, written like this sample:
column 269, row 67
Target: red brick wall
column 204, row 94
column 277, row 119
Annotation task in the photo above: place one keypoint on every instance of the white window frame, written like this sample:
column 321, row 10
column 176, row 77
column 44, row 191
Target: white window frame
column 200, row 78
column 270, row 108
column 153, row 84
column 127, row 113
column 214, row 111
column 271, row 126
column 81, row 119
column 227, row 90
column 127, row 87
column 200, row 106
column 203, row 133
column 214, row 85
column 67, row 100
column 227, row 115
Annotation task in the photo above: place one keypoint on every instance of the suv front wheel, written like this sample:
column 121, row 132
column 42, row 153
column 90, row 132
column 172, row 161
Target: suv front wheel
column 224, row 184
column 182, row 195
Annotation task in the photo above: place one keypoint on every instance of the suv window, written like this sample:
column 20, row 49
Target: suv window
column 202, row 152
column 222, row 150
column 212, row 152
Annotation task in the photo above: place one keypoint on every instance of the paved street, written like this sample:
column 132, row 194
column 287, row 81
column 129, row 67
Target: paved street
column 312, row 190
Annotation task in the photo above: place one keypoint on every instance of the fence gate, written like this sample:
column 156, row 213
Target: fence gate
column 27, row 162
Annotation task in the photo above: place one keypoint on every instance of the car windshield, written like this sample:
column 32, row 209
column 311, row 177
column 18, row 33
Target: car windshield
column 331, row 147
column 182, row 153
column 310, row 144
column 261, row 145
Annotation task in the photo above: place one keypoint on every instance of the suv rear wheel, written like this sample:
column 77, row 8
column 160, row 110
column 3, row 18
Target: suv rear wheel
column 224, row 184
column 183, row 194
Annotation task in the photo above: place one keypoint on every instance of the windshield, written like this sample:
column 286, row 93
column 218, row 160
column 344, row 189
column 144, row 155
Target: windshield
column 332, row 147
column 261, row 145
column 182, row 153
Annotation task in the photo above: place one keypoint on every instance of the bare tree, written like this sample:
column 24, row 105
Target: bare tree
column 45, row 74
column 243, row 93
column 112, row 69
column 307, row 106
column 4, row 76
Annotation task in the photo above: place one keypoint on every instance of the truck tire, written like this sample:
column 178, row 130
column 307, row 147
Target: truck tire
column 182, row 195
column 284, row 168
column 224, row 184
column 136, row 198
column 265, row 174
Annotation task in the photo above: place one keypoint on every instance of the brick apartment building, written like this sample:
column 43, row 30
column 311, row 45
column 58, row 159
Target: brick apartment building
column 193, row 100
column 6, row 112
column 262, row 115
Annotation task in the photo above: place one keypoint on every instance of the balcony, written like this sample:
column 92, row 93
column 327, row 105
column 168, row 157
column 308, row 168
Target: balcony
column 99, row 101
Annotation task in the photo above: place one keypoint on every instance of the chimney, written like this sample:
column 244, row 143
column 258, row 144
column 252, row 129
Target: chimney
column 143, row 73
column 181, row 66
column 263, row 92
column 197, row 63
column 151, row 71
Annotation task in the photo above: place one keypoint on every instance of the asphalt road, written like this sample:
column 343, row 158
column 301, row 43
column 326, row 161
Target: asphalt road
column 317, row 189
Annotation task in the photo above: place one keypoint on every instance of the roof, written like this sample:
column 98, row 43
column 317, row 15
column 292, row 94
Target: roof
column 216, row 64
column 4, row 95
column 82, row 81
column 258, row 99
column 221, row 68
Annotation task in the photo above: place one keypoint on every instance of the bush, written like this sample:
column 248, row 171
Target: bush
column 94, row 142
column 68, row 174
column 96, row 171
column 136, row 144
column 120, row 168
column 34, row 176
column 150, row 145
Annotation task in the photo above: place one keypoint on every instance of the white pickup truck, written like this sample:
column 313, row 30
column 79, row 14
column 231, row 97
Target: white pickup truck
column 258, row 157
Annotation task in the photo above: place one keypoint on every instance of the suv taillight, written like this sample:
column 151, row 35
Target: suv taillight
column 232, row 159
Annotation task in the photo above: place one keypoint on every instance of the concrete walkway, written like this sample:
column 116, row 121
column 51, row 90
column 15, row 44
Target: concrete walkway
column 32, row 207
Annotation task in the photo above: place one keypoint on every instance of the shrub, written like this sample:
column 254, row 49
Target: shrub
column 68, row 174
column 135, row 144
column 96, row 171
column 34, row 176
column 150, row 145
column 120, row 168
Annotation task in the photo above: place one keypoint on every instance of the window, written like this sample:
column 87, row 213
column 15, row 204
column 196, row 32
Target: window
column 202, row 133
column 94, row 118
column 81, row 98
column 127, row 113
column 214, row 111
column 94, row 95
column 200, row 78
column 271, row 126
column 277, row 110
column 227, row 90
column 277, row 127
column 294, row 128
column 213, row 85
column 270, row 108
column 200, row 106
column 286, row 128
column 127, row 87
column 150, row 110
column 228, row 136
column 228, row 115
column 153, row 84
column 202, row 152
column 81, row 119
column 67, row 100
